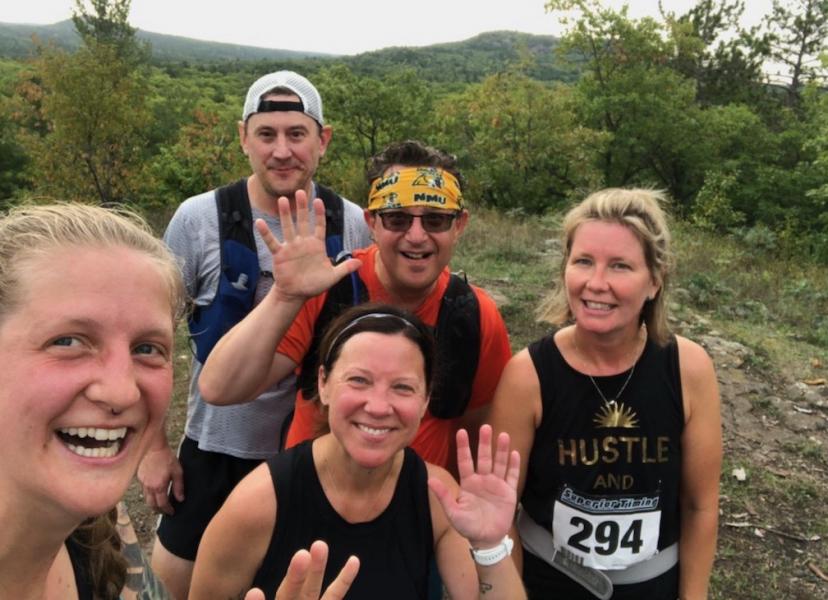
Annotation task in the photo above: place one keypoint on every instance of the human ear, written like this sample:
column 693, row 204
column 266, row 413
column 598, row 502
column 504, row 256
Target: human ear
column 321, row 380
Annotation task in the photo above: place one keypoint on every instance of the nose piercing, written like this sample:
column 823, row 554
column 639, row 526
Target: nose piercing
column 114, row 411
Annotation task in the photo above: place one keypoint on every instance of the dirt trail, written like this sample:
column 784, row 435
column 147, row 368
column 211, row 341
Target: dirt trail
column 773, row 522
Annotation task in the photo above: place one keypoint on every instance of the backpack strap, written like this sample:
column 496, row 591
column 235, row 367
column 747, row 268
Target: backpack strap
column 458, row 349
column 347, row 292
column 235, row 216
column 238, row 271
column 334, row 221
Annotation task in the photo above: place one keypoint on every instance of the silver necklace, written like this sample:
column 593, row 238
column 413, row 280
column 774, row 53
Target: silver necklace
column 612, row 403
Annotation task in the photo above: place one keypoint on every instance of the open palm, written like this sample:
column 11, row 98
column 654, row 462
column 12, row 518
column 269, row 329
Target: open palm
column 484, row 508
column 301, row 268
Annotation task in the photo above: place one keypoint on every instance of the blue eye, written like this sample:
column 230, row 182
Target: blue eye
column 66, row 340
column 151, row 350
column 404, row 388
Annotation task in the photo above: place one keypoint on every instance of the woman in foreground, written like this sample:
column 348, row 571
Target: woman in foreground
column 88, row 300
column 619, row 420
column 363, row 490
column 88, row 304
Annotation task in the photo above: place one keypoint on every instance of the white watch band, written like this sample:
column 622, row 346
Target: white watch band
column 490, row 556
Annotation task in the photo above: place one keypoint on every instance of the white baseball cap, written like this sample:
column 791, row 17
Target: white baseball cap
column 311, row 102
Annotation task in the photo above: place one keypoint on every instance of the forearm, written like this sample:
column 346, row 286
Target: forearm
column 239, row 367
column 697, row 549
column 500, row 581
column 160, row 440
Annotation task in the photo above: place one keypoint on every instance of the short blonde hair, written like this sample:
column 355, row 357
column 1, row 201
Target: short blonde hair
column 640, row 211
column 30, row 231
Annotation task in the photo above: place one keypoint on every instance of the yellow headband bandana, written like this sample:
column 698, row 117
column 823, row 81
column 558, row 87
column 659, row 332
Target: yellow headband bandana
column 416, row 186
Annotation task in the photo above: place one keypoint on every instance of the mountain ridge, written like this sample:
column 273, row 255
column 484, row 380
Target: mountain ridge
column 16, row 42
column 464, row 61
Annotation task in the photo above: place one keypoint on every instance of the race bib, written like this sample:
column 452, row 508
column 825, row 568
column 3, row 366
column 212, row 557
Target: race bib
column 606, row 532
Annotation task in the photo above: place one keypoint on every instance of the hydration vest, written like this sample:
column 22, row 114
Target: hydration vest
column 239, row 272
column 457, row 334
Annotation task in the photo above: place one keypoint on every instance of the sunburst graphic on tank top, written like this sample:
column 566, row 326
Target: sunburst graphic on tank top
column 614, row 414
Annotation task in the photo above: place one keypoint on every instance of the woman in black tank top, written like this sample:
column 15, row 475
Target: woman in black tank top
column 361, row 489
column 619, row 418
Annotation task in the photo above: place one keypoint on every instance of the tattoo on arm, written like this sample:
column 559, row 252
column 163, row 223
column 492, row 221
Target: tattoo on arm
column 485, row 587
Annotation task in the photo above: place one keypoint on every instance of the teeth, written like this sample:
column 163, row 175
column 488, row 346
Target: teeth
column 415, row 255
column 95, row 432
column 597, row 305
column 372, row 430
column 104, row 452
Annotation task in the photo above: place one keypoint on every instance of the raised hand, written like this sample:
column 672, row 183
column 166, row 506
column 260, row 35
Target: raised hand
column 484, row 508
column 303, row 580
column 301, row 269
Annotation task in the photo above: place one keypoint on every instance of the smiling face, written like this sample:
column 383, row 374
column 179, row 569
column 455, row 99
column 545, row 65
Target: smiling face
column 284, row 149
column 87, row 374
column 607, row 279
column 376, row 396
column 411, row 261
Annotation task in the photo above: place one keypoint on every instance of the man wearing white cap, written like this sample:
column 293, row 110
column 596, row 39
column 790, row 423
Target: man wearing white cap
column 226, row 267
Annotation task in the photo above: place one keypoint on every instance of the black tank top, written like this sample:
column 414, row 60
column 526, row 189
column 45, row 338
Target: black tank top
column 588, row 455
column 79, row 557
column 394, row 549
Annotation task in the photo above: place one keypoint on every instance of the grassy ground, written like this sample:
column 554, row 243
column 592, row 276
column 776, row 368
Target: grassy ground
column 773, row 524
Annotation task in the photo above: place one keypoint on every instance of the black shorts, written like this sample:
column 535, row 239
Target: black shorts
column 209, row 477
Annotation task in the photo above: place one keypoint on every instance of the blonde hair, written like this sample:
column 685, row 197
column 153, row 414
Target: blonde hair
column 640, row 211
column 27, row 232
column 30, row 231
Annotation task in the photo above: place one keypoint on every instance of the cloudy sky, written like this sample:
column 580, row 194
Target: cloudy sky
column 336, row 27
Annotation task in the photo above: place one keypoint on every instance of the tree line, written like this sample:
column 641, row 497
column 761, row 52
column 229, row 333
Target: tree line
column 731, row 121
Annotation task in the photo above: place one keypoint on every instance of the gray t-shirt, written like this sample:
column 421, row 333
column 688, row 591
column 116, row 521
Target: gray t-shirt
column 248, row 430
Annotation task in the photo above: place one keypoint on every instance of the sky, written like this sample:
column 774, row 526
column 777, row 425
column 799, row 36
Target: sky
column 337, row 27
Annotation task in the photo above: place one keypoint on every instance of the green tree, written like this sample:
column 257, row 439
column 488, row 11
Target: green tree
column 629, row 90
column 12, row 155
column 368, row 113
column 12, row 161
column 204, row 156
column 106, row 22
column 799, row 34
column 713, row 49
column 818, row 143
column 86, row 113
column 93, row 113
column 519, row 143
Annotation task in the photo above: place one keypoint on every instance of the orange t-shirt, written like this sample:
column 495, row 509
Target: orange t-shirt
column 435, row 436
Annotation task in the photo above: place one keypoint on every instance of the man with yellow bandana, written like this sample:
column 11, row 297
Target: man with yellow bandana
column 416, row 215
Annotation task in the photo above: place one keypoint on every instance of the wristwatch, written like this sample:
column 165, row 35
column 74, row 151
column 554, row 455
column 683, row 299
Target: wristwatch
column 490, row 556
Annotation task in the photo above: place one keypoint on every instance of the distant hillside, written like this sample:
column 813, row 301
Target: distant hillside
column 457, row 62
column 16, row 42
column 470, row 60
